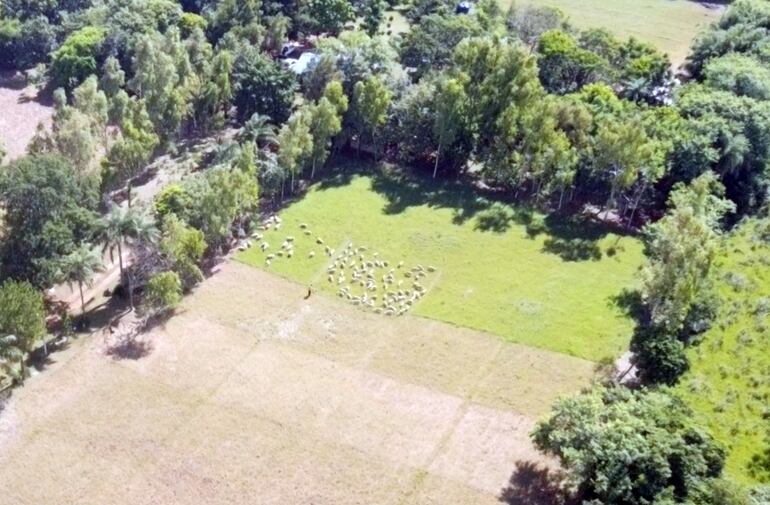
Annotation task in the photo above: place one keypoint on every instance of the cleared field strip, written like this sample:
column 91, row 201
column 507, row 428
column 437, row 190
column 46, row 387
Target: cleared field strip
column 253, row 395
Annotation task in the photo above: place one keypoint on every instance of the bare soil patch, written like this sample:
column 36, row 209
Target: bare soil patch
column 21, row 109
column 251, row 394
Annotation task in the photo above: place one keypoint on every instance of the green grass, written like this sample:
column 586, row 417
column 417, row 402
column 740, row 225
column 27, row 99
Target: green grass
column 670, row 25
column 729, row 383
column 554, row 290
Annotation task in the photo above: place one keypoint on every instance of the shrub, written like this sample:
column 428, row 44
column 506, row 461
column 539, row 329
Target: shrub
column 163, row 293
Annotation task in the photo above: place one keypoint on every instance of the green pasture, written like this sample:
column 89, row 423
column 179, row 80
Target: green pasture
column 541, row 281
column 671, row 25
column 729, row 382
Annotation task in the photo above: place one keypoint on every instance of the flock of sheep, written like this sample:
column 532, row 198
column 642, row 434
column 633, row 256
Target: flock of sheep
column 367, row 281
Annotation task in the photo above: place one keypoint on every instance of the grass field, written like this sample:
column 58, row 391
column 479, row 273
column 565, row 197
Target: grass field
column 251, row 394
column 554, row 290
column 671, row 25
column 729, row 384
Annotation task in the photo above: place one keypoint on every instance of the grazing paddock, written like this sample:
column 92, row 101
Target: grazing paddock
column 251, row 394
column 729, row 382
column 549, row 283
column 670, row 25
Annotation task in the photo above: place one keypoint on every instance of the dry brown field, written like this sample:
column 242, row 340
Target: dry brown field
column 251, row 394
column 20, row 112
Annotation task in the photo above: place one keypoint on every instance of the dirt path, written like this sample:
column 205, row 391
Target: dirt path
column 253, row 395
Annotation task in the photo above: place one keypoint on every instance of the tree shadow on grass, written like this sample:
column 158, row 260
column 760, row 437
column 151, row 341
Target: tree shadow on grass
column 571, row 237
column 577, row 237
column 129, row 348
column 573, row 249
column 630, row 302
column 534, row 484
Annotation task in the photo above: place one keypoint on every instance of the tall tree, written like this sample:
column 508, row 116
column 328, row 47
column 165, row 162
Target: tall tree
column 325, row 123
column 450, row 113
column 682, row 247
column 296, row 143
column 371, row 99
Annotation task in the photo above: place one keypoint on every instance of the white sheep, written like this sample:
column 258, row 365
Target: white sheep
column 319, row 241
column 311, row 255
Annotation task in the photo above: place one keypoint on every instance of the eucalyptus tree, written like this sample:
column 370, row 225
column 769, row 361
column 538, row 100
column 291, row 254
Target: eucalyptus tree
column 450, row 113
column 296, row 143
column 371, row 100
column 325, row 123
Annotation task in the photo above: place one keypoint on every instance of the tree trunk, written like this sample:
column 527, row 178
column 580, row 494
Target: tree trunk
column 130, row 292
column 561, row 197
column 283, row 182
column 129, row 194
column 120, row 260
column 312, row 169
column 435, row 167
column 358, row 144
column 636, row 205
column 82, row 299
column 374, row 145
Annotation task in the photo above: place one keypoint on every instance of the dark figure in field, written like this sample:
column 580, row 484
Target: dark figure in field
column 309, row 292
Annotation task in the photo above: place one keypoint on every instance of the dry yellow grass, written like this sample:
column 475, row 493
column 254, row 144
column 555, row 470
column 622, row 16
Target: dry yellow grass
column 253, row 395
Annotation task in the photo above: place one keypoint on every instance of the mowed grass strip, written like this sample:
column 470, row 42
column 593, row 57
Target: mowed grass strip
column 555, row 290
column 729, row 382
column 671, row 25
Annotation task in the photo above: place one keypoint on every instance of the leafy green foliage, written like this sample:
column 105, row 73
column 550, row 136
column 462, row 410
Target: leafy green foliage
column 565, row 67
column 429, row 45
column 740, row 74
column 682, row 247
column 371, row 100
column 262, row 86
column 48, row 214
column 184, row 247
column 330, row 16
column 627, row 447
column 77, row 58
column 162, row 293
column 22, row 314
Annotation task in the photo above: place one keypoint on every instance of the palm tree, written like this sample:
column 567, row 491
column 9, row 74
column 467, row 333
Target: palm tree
column 115, row 226
column 259, row 130
column 141, row 232
column 79, row 267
